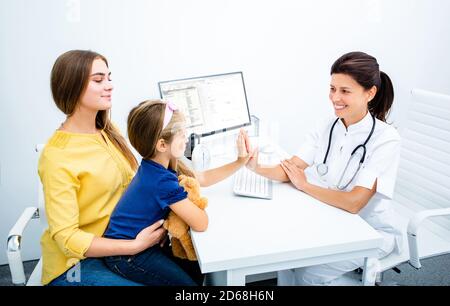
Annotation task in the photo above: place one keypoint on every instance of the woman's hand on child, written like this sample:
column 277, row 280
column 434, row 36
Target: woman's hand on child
column 150, row 236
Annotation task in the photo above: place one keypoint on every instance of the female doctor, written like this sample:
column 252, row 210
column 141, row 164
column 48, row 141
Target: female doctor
column 349, row 161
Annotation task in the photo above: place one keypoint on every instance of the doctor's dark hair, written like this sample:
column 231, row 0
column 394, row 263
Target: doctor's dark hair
column 68, row 82
column 364, row 69
column 145, row 129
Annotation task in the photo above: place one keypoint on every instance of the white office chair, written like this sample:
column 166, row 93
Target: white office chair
column 422, row 193
column 15, row 239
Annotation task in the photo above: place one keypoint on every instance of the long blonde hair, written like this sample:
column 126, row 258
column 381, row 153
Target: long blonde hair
column 145, row 129
column 68, row 82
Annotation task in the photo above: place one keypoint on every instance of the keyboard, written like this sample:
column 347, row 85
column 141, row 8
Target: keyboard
column 248, row 183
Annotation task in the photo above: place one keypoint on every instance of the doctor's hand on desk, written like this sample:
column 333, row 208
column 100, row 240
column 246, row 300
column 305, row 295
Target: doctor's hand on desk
column 295, row 174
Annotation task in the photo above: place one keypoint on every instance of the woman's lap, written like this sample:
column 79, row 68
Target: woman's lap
column 156, row 267
column 91, row 272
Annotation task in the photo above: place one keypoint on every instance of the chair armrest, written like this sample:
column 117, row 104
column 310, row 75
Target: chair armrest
column 413, row 227
column 14, row 245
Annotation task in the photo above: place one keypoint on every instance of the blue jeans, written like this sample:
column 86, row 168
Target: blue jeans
column 156, row 266
column 91, row 272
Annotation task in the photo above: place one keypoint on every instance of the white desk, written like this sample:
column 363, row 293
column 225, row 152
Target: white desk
column 249, row 236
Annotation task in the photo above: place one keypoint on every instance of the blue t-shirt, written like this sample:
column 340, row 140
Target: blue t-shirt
column 145, row 201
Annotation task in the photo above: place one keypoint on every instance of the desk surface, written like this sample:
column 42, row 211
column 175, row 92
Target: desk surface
column 246, row 232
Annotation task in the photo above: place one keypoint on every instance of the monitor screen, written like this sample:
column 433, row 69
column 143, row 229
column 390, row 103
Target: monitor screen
column 211, row 104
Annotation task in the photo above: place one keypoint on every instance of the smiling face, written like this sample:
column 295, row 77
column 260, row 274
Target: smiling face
column 349, row 99
column 97, row 95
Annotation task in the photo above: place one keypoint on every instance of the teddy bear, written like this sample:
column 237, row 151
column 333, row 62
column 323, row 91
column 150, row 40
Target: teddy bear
column 178, row 229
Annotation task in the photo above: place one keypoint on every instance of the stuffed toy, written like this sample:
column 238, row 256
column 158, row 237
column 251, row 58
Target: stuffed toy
column 178, row 229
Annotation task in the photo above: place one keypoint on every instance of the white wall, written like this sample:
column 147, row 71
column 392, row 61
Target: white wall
column 285, row 49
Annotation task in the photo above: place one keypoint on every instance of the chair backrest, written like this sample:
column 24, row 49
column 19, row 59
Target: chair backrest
column 423, row 180
column 41, row 200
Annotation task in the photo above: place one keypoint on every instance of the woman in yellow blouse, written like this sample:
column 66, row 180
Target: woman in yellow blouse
column 84, row 168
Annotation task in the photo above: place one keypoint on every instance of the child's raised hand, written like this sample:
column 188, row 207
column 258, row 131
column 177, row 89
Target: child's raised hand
column 243, row 146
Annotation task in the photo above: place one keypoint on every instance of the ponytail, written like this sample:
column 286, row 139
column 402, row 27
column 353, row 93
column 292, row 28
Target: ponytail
column 382, row 102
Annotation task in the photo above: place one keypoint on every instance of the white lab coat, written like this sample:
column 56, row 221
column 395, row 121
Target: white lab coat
column 381, row 164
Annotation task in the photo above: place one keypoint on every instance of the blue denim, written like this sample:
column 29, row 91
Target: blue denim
column 91, row 272
column 156, row 266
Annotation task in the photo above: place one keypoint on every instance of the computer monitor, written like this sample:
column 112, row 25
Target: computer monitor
column 211, row 104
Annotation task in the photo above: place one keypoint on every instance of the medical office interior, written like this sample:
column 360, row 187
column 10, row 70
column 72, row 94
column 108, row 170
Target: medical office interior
column 284, row 50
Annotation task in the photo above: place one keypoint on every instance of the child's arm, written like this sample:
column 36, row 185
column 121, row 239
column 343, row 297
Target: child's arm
column 195, row 217
column 212, row 176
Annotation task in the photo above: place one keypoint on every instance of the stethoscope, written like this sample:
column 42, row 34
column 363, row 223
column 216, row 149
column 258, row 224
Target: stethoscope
column 322, row 169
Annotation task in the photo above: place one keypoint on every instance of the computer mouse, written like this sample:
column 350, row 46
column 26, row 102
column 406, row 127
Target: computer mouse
column 201, row 157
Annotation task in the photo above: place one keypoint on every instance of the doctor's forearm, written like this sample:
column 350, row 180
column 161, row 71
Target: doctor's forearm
column 275, row 173
column 340, row 199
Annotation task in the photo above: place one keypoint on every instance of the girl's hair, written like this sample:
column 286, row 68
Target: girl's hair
column 145, row 129
column 364, row 69
column 68, row 82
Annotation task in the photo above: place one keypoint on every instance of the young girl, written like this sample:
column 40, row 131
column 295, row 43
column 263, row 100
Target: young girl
column 156, row 130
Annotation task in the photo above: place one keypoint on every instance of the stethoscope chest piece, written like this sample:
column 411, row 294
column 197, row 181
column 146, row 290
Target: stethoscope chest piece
column 322, row 169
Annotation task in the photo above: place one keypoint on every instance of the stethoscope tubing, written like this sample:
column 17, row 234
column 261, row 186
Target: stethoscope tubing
column 322, row 169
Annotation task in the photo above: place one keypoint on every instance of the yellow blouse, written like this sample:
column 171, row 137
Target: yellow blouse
column 83, row 176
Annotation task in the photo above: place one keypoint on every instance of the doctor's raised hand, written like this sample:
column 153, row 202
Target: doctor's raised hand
column 252, row 162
